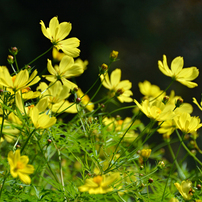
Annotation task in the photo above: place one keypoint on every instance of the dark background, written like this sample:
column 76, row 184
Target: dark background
column 141, row 30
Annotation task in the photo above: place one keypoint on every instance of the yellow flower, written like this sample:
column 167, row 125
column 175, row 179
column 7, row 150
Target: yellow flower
column 66, row 69
column 149, row 90
column 41, row 120
column 187, row 123
column 19, row 166
column 55, row 94
column 145, row 153
column 185, row 189
column 156, row 110
column 115, row 85
column 184, row 76
column 19, row 81
column 85, row 100
column 57, row 32
column 99, row 184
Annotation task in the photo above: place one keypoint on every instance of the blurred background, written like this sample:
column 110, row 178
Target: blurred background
column 141, row 30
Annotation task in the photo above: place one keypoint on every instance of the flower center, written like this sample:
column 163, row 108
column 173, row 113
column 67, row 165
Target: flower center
column 26, row 90
column 98, row 179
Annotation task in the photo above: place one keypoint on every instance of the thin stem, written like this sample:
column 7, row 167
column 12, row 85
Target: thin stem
column 16, row 64
column 175, row 161
column 163, row 91
column 186, row 148
column 40, row 55
column 4, row 180
column 27, row 140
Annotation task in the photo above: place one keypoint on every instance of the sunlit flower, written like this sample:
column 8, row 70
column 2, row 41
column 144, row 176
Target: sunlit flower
column 100, row 184
column 156, row 110
column 176, row 72
column 57, row 32
column 19, row 166
column 41, row 121
column 145, row 153
column 66, row 69
column 116, row 86
column 149, row 90
column 187, row 123
column 185, row 189
column 56, row 95
column 19, row 81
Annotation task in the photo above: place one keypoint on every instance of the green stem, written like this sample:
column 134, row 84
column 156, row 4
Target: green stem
column 163, row 91
column 16, row 64
column 186, row 148
column 175, row 161
column 27, row 140
column 40, row 55
column 4, row 180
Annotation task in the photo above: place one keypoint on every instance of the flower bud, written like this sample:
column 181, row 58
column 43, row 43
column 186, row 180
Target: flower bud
column 113, row 55
column 74, row 90
column 10, row 59
column 78, row 100
column 161, row 165
column 179, row 102
column 1, row 91
column 165, row 100
column 49, row 141
column 103, row 68
column 14, row 50
column 145, row 153
column 198, row 186
column 150, row 180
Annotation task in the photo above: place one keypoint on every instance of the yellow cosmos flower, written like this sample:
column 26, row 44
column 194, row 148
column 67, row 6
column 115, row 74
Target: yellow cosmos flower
column 41, row 121
column 55, row 94
column 145, row 153
column 187, row 123
column 115, row 85
column 156, row 110
column 57, row 32
column 19, row 81
column 185, row 189
column 149, row 90
column 184, row 76
column 99, row 184
column 19, row 166
column 66, row 69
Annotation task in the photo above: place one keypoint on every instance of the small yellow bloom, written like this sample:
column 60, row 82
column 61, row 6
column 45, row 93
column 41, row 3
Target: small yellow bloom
column 41, row 120
column 184, row 76
column 99, row 184
column 19, row 166
column 156, row 110
column 115, row 85
column 57, row 32
column 145, row 153
column 185, row 189
column 114, row 55
column 187, row 123
column 66, row 69
column 17, row 82
column 149, row 90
